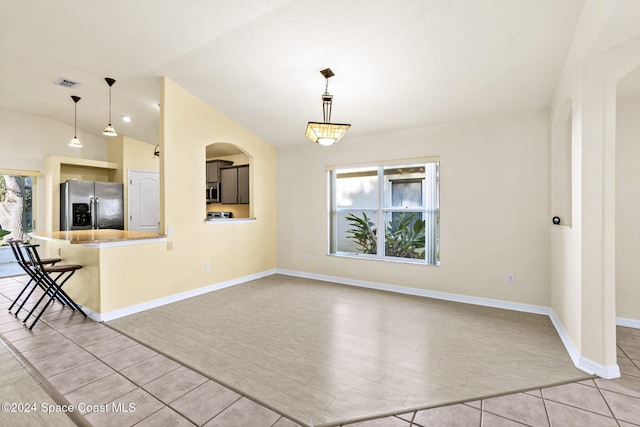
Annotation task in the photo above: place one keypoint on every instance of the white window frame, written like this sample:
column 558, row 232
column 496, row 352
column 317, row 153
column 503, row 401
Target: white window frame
column 432, row 258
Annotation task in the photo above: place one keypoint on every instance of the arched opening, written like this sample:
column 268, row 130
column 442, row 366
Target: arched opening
column 229, row 181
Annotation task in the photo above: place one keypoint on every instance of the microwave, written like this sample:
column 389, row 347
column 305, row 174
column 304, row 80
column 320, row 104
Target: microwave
column 213, row 192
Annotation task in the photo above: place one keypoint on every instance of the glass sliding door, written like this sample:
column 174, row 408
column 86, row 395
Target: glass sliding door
column 16, row 217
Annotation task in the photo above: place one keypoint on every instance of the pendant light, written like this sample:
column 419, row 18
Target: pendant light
column 109, row 130
column 325, row 132
column 75, row 142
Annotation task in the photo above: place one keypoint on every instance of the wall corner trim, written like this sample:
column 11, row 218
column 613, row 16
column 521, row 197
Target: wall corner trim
column 607, row 372
column 580, row 362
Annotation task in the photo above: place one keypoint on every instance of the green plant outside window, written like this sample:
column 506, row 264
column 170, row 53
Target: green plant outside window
column 386, row 212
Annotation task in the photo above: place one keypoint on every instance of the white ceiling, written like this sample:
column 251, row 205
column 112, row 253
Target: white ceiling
column 398, row 64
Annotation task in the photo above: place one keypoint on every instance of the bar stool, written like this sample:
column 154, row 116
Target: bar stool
column 46, row 274
column 33, row 274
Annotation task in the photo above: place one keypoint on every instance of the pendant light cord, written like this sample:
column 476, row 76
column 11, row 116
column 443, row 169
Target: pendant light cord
column 109, row 105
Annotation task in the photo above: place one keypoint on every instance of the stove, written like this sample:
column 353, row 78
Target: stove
column 219, row 215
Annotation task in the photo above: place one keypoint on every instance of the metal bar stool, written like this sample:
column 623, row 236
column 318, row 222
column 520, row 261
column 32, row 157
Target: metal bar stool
column 33, row 274
column 46, row 273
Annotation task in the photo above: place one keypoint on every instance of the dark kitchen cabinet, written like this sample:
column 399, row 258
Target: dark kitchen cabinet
column 234, row 185
column 214, row 167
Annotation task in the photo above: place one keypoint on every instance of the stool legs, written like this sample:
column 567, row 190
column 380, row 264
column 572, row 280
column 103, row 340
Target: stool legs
column 50, row 278
column 56, row 290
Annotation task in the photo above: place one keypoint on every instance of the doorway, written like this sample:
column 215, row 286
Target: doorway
column 16, row 217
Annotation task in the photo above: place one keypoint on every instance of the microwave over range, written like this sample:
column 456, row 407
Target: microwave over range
column 213, row 192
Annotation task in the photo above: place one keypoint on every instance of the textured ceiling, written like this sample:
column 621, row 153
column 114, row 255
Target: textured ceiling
column 398, row 64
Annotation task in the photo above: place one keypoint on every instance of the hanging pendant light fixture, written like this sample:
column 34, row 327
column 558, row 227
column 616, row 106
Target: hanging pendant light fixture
column 109, row 130
column 75, row 142
column 325, row 132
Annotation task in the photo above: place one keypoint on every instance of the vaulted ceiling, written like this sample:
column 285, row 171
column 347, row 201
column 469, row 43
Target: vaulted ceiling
column 397, row 64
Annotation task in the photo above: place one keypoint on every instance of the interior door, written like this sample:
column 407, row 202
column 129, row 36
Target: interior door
column 144, row 201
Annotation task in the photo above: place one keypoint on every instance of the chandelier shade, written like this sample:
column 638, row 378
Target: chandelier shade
column 326, row 133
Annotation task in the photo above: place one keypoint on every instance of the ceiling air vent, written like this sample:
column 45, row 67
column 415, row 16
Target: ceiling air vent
column 66, row 83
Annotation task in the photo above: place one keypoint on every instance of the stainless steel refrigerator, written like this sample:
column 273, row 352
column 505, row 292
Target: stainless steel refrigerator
column 86, row 205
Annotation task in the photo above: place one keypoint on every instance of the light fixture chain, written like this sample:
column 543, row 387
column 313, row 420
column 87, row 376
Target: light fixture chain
column 109, row 104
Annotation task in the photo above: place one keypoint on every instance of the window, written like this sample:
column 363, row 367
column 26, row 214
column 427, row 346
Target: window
column 16, row 206
column 402, row 200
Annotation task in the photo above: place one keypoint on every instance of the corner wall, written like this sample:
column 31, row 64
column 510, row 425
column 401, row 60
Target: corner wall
column 606, row 47
column 132, row 276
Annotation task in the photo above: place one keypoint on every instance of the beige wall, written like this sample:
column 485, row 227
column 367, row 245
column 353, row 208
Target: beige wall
column 628, row 208
column 494, row 207
column 565, row 278
column 135, row 274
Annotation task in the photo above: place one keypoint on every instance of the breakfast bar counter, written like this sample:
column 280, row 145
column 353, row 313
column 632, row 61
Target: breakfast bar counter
column 92, row 237
column 119, row 267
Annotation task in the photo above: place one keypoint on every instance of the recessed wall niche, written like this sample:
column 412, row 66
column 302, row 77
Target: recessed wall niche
column 561, row 165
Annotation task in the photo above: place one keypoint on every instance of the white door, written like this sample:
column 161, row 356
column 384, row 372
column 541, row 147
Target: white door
column 144, row 201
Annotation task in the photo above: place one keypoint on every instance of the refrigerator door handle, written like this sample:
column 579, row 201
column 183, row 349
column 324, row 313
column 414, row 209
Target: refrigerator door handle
column 97, row 215
column 91, row 211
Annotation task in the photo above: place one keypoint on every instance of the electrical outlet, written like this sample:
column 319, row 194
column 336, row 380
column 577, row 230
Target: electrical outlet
column 169, row 246
column 207, row 266
column 306, row 257
column 59, row 251
column 511, row 279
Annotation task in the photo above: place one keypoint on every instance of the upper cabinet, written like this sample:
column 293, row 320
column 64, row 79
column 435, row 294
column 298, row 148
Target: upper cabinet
column 213, row 169
column 234, row 187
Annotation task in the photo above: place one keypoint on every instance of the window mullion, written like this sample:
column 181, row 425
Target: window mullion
column 381, row 224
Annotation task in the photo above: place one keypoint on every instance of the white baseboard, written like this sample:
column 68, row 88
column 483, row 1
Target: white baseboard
column 574, row 354
column 105, row 317
column 591, row 367
column 629, row 323
column 580, row 362
column 487, row 302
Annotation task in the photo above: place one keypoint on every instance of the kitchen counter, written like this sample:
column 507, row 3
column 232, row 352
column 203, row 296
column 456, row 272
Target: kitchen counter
column 114, row 263
column 93, row 237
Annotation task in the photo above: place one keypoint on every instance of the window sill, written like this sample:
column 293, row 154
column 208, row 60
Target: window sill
column 392, row 260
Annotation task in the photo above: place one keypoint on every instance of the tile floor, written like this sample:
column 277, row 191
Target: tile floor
column 92, row 366
column 326, row 354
